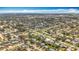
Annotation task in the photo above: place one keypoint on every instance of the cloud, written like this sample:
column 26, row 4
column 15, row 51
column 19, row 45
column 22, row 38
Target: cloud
column 42, row 11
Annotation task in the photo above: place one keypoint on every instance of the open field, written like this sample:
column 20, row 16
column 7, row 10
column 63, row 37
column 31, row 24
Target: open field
column 39, row 32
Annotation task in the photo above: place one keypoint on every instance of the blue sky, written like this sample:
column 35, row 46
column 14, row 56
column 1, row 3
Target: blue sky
column 39, row 9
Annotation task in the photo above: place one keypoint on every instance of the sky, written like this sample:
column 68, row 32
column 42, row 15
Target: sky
column 49, row 10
